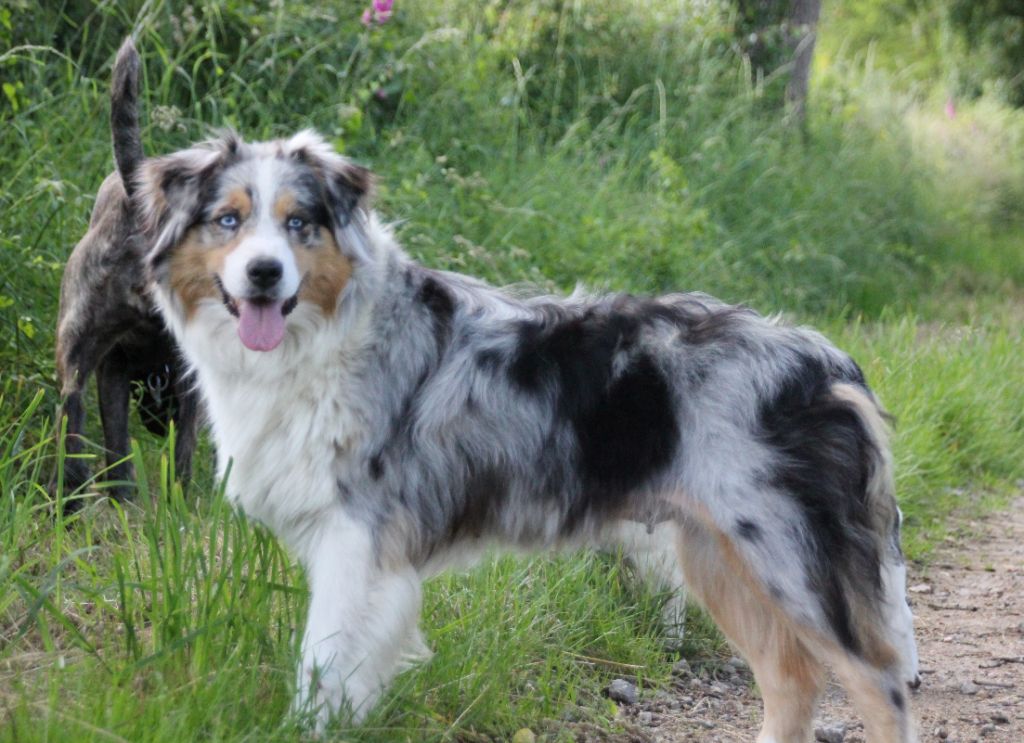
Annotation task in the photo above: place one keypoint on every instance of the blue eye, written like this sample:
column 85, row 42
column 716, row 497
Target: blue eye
column 295, row 223
column 228, row 221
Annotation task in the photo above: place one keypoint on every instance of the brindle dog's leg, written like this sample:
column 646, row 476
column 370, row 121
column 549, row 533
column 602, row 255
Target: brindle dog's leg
column 76, row 358
column 76, row 471
column 114, row 386
column 186, row 425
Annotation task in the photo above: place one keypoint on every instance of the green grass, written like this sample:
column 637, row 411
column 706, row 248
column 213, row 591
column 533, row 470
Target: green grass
column 605, row 142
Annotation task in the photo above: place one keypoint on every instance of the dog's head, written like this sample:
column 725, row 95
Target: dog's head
column 254, row 230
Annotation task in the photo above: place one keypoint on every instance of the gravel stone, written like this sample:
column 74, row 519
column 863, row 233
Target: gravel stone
column 969, row 688
column 623, row 691
column 830, row 733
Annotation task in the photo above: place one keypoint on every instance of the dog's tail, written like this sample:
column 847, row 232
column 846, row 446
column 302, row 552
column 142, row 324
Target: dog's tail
column 124, row 114
column 880, row 487
column 870, row 602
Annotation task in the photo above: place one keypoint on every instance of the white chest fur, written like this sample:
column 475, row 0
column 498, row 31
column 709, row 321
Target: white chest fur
column 283, row 422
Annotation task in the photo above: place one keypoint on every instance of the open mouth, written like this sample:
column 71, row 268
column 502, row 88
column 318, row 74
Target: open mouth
column 260, row 319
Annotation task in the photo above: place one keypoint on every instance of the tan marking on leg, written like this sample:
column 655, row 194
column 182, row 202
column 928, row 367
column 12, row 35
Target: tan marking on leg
column 788, row 674
column 871, row 690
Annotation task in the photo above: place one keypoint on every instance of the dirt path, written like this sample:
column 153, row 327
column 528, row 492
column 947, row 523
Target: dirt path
column 969, row 605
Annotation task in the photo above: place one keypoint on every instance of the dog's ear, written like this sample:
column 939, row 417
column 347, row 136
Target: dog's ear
column 347, row 187
column 172, row 192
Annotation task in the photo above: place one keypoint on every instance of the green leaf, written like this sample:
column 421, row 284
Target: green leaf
column 12, row 95
column 26, row 326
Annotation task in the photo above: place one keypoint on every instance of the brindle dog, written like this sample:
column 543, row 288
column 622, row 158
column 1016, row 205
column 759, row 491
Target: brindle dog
column 107, row 322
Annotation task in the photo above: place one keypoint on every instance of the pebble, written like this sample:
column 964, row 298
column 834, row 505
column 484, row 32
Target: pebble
column 941, row 733
column 645, row 718
column 681, row 668
column 738, row 663
column 920, row 588
column 717, row 687
column 987, row 729
column 623, row 691
column 830, row 733
column 524, row 735
column 969, row 688
column 999, row 718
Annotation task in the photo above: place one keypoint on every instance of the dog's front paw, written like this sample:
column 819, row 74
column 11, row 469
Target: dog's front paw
column 311, row 704
column 324, row 693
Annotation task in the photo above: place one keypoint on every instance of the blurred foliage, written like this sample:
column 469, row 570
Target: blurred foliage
column 612, row 142
column 965, row 47
column 994, row 32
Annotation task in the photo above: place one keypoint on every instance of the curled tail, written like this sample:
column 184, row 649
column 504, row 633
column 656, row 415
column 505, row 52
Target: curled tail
column 124, row 114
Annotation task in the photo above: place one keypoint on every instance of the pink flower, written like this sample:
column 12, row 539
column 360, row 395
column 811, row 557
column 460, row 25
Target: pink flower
column 379, row 12
column 950, row 108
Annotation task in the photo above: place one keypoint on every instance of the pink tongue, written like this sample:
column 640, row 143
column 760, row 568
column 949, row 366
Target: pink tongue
column 260, row 326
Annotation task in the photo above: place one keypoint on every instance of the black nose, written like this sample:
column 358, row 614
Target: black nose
column 916, row 683
column 264, row 272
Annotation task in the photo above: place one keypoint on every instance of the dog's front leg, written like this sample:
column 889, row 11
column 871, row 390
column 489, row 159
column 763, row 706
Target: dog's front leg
column 360, row 615
column 186, row 423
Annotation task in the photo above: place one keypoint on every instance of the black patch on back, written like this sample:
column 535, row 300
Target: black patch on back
column 630, row 432
column 625, row 422
column 825, row 463
column 439, row 300
column 748, row 530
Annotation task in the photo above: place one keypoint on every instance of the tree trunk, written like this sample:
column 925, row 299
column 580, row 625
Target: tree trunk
column 778, row 38
column 803, row 32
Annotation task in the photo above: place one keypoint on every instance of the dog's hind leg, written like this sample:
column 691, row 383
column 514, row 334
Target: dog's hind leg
column 76, row 471
column 114, row 387
column 787, row 672
column 76, row 359
column 878, row 692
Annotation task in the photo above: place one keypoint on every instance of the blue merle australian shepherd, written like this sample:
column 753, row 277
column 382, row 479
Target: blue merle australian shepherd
column 385, row 419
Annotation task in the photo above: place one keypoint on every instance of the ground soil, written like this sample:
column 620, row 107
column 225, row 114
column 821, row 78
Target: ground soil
column 968, row 599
